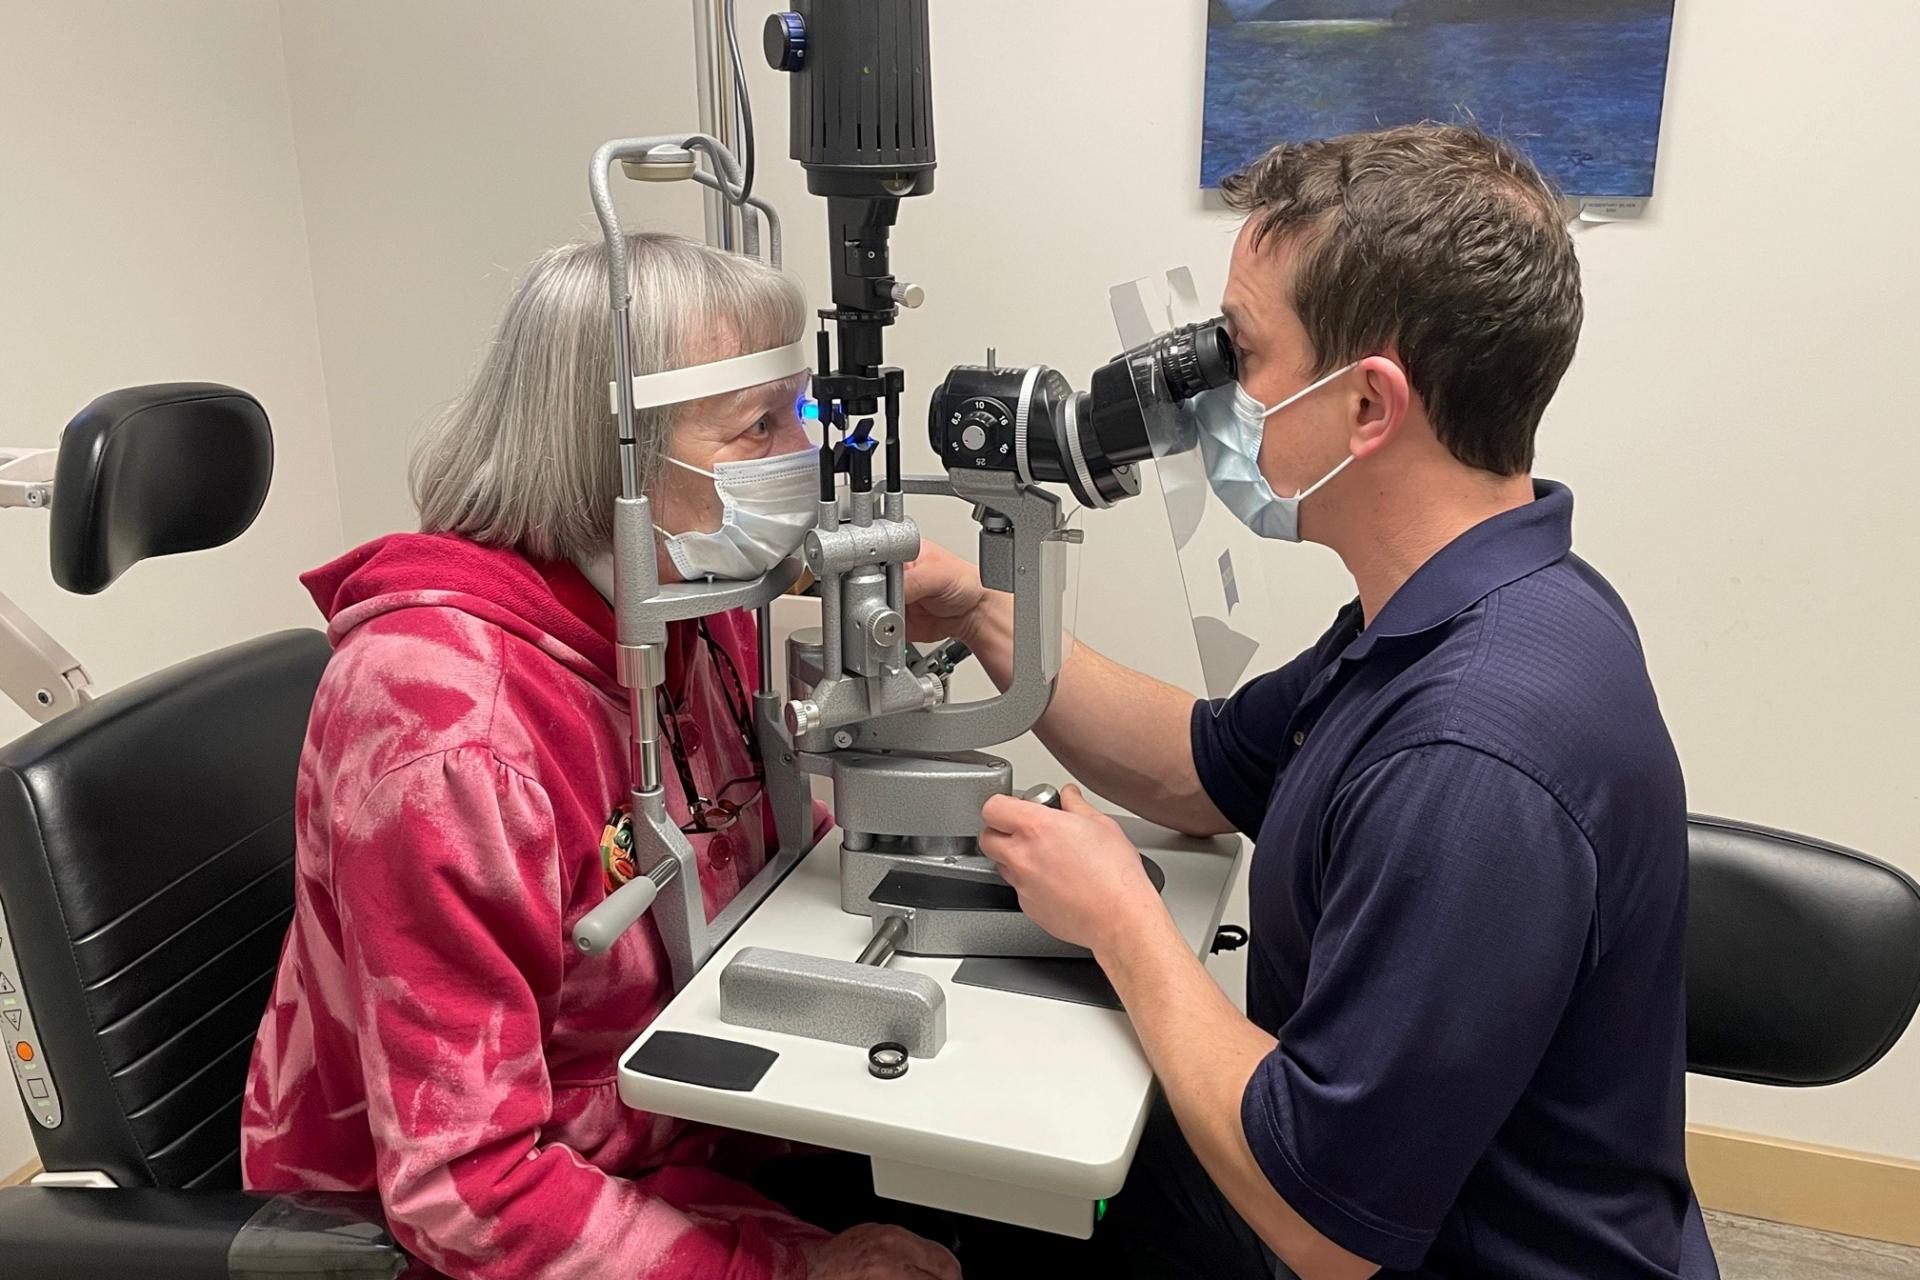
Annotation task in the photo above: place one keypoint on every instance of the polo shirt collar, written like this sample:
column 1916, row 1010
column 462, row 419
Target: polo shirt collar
column 1499, row 550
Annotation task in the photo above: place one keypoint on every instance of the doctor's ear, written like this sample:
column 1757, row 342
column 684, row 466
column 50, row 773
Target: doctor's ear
column 1385, row 393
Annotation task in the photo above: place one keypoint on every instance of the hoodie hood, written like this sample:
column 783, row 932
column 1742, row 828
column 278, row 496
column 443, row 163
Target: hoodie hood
column 550, row 605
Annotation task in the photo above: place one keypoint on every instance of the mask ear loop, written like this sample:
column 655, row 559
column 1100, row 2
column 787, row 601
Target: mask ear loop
column 699, row 471
column 1323, row 481
column 688, row 466
column 1304, row 392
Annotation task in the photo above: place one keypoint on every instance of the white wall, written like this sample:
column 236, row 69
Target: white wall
column 1736, row 427
column 443, row 144
column 151, row 231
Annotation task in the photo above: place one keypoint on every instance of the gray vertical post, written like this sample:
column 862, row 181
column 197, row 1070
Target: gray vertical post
column 713, row 82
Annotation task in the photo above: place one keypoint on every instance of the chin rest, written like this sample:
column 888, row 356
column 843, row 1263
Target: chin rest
column 59, row 1233
column 152, row 471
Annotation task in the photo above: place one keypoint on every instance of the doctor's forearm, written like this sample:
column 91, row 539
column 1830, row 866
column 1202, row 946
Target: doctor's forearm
column 1204, row 1051
column 1120, row 733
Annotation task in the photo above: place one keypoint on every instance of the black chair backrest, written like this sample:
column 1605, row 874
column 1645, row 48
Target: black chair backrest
column 151, row 471
column 146, row 868
column 1803, row 958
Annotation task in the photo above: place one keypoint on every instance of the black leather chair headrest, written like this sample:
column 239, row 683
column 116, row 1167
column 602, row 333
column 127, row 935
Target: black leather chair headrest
column 151, row 471
column 1803, row 958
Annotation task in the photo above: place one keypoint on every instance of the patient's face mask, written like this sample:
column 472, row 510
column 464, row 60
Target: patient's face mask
column 1231, row 425
column 767, row 504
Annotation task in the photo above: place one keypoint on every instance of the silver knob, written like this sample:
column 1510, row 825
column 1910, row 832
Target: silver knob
column 973, row 438
column 1042, row 793
column 803, row 717
column 885, row 627
column 907, row 295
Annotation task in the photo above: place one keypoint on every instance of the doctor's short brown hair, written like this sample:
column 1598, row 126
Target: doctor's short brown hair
column 1438, row 244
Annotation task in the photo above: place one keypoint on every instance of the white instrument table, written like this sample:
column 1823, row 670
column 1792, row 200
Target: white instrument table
column 1028, row 1115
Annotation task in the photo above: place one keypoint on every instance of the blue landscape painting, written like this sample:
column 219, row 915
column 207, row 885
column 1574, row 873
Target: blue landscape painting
column 1577, row 83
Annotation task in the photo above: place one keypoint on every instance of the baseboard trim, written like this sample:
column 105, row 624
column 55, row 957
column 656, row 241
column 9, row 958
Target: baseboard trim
column 21, row 1176
column 1826, row 1188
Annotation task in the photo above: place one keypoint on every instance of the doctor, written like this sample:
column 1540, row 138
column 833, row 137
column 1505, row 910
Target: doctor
column 1463, row 1050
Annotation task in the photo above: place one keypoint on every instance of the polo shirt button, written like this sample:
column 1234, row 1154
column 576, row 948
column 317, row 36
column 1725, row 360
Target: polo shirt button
column 719, row 852
column 1299, row 737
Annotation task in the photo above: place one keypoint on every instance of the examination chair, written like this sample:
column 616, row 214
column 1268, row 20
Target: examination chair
column 146, row 883
column 1803, row 958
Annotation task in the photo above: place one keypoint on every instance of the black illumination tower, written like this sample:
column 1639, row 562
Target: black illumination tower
column 862, row 128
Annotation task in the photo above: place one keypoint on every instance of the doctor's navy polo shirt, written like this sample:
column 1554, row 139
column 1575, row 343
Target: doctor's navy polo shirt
column 1468, row 926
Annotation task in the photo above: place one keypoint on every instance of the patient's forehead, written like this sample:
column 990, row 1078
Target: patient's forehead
column 769, row 397
column 722, row 414
column 709, row 340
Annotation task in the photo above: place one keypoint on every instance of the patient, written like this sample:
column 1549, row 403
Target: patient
column 433, row 1033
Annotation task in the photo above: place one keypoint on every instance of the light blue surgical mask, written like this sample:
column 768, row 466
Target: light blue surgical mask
column 767, row 506
column 1231, row 423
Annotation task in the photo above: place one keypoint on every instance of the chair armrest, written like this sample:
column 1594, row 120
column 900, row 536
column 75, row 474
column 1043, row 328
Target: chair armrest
column 57, row 1233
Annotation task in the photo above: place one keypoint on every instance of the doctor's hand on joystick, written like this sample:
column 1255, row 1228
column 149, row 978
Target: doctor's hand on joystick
column 1078, row 875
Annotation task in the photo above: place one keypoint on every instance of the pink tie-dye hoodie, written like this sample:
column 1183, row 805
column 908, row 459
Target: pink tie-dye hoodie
column 433, row 1034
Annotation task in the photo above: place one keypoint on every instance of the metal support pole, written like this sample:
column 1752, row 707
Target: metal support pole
column 885, row 941
column 713, row 80
column 623, row 400
column 763, row 622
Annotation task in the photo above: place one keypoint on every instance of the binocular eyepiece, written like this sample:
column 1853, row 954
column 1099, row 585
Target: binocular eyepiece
column 1031, row 422
column 1194, row 358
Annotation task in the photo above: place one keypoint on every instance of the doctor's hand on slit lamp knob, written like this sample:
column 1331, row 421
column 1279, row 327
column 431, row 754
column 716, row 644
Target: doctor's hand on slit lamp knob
column 1042, row 793
column 943, row 595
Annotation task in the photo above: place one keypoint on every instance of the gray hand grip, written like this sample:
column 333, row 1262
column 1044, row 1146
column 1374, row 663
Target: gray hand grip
column 601, row 927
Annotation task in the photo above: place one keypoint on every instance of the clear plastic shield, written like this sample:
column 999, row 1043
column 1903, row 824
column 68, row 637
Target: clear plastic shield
column 1227, row 595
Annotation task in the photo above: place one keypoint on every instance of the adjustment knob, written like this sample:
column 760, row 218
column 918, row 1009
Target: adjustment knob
column 803, row 717
column 1044, row 793
column 975, row 428
column 785, row 41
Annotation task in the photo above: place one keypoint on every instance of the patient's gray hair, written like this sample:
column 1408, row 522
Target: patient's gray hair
column 526, row 456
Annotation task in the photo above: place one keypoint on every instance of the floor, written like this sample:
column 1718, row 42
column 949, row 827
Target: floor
column 1749, row 1249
